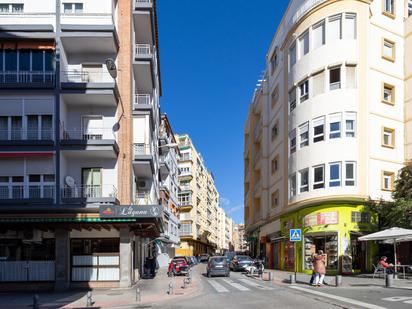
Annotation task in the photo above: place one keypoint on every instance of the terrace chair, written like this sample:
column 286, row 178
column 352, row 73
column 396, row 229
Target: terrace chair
column 378, row 269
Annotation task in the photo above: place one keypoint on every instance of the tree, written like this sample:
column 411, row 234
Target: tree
column 403, row 185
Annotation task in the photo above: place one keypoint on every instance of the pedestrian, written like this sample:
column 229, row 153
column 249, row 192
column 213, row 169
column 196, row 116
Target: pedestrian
column 312, row 263
column 319, row 265
column 385, row 265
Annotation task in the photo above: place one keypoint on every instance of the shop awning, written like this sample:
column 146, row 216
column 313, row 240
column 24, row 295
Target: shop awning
column 74, row 220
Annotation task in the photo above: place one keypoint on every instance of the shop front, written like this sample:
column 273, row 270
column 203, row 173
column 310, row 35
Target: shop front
column 334, row 229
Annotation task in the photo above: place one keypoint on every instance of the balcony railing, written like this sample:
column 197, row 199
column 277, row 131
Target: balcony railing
column 28, row 78
column 30, row 191
column 86, row 77
column 26, row 134
column 143, row 50
column 88, row 134
column 185, row 187
column 143, row 198
column 142, row 99
column 186, row 202
column 89, row 191
column 142, row 149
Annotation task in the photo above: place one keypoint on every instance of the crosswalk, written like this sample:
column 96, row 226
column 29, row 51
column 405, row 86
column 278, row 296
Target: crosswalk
column 225, row 285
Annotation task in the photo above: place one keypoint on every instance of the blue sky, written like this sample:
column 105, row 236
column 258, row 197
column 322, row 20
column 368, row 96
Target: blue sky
column 211, row 56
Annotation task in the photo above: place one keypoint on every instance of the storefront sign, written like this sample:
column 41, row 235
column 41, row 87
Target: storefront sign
column 130, row 211
column 322, row 218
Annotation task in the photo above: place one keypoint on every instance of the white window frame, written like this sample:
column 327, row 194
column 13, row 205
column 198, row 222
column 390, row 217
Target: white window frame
column 304, row 130
column 318, row 184
column 350, row 182
column 315, row 28
column 292, row 103
column 304, row 44
column 12, row 8
column 335, row 118
column 292, row 189
column 338, row 84
column 292, row 55
column 334, row 18
column 350, row 16
column 304, row 91
column 350, row 116
column 335, row 182
column 390, row 176
column 303, row 187
column 389, row 7
column 73, row 7
column 292, row 141
column 317, row 122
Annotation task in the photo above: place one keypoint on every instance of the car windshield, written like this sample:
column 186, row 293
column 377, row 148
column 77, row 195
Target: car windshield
column 219, row 260
column 179, row 260
column 243, row 258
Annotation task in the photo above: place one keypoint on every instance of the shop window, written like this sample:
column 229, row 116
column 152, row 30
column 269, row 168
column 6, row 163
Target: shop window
column 292, row 186
column 334, row 28
column 334, row 78
column 292, row 141
column 388, row 137
column 350, row 26
column 360, row 217
column 335, row 126
column 388, row 94
column 350, row 172
column 319, row 129
column 97, row 245
column 304, row 44
column 318, row 177
column 388, row 50
column 389, row 8
column 335, row 174
column 388, row 180
column 292, row 99
column 318, row 81
column 304, row 180
column 304, row 91
column 17, row 250
column 328, row 243
column 318, row 34
column 304, row 135
column 351, row 77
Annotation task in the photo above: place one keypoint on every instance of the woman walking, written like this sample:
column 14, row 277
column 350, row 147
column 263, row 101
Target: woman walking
column 320, row 267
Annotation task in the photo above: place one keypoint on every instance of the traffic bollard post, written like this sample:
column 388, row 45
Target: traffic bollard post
column 35, row 301
column 292, row 279
column 389, row 281
column 170, row 292
column 138, row 296
column 338, row 280
column 89, row 301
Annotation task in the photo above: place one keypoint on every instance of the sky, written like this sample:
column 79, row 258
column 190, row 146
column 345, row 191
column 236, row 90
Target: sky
column 212, row 53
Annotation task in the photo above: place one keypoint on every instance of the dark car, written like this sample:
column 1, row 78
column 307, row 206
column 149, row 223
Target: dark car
column 204, row 257
column 229, row 256
column 217, row 266
column 240, row 262
column 178, row 266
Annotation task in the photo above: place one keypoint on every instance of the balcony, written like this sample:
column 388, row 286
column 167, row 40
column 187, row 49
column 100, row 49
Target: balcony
column 164, row 167
column 257, row 159
column 186, row 205
column 98, row 142
column 27, row 79
column 143, row 102
column 185, row 157
column 26, row 137
column 143, row 4
column 85, row 88
column 143, row 162
column 145, row 67
column 143, row 198
column 257, row 133
column 185, row 188
column 27, row 193
column 143, row 52
column 257, row 188
column 89, row 194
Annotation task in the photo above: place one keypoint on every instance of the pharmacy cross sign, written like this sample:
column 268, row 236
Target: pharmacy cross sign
column 295, row 235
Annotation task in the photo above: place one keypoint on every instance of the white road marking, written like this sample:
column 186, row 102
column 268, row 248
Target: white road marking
column 217, row 286
column 340, row 298
column 397, row 298
column 236, row 285
column 254, row 284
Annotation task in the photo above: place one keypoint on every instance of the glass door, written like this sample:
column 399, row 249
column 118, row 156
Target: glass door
column 92, row 182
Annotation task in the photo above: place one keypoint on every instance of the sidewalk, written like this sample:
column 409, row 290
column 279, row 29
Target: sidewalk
column 347, row 281
column 151, row 291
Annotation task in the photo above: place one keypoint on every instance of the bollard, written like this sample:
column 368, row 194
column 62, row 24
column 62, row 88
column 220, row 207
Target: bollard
column 389, row 281
column 270, row 276
column 338, row 280
column 89, row 301
column 35, row 301
column 184, row 283
column 170, row 292
column 292, row 279
column 138, row 297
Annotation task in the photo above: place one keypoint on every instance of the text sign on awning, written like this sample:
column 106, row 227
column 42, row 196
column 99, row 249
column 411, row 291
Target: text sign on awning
column 130, row 211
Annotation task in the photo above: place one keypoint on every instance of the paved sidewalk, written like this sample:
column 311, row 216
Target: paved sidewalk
column 347, row 281
column 151, row 291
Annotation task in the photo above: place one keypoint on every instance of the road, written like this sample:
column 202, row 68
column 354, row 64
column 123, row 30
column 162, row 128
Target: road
column 240, row 291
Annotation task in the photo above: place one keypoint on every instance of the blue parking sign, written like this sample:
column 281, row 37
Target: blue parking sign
column 295, row 235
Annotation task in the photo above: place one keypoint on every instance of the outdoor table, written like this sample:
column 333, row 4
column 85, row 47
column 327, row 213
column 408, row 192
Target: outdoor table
column 403, row 268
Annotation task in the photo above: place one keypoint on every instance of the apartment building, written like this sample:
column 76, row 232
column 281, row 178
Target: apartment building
column 199, row 202
column 169, row 192
column 239, row 238
column 327, row 129
column 79, row 157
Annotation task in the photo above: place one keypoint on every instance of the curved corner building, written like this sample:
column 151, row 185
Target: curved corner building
column 328, row 128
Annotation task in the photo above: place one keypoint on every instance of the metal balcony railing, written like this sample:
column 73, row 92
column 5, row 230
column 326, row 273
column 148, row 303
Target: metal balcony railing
column 142, row 99
column 143, row 50
column 26, row 134
column 185, row 187
column 27, row 77
column 89, row 191
column 88, row 134
column 30, row 191
column 143, row 1
column 143, row 198
column 186, row 202
column 142, row 149
column 86, row 77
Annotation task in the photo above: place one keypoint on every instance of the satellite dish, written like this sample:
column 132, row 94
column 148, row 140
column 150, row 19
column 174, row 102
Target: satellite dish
column 111, row 67
column 69, row 181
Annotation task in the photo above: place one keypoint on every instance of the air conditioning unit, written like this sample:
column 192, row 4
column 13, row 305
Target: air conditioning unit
column 143, row 185
column 32, row 235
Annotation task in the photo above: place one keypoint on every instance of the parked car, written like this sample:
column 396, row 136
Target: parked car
column 178, row 266
column 217, row 266
column 230, row 255
column 240, row 262
column 204, row 257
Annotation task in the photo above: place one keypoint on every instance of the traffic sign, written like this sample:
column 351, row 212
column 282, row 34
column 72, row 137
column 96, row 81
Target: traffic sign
column 295, row 235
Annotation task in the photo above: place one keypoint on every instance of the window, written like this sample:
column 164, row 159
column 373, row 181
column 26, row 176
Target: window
column 360, row 217
column 334, row 29
column 292, row 99
column 292, row 141
column 318, row 129
column 389, row 8
column 304, row 180
column 351, row 77
column 350, row 168
column 409, row 7
column 388, row 94
column 350, row 26
column 318, row 83
column 335, row 174
column 319, row 177
column 275, row 199
column 350, row 124
column 275, row 165
column 304, row 135
column 388, row 137
column 72, row 8
column 304, row 91
column 304, row 44
column 335, row 126
column 334, row 78
column 275, row 131
column 292, row 186
column 185, row 229
column 292, row 55
column 318, row 34
column 11, row 8
column 185, row 199
column 388, row 50
column 388, row 179
column 274, row 61
column 275, row 96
